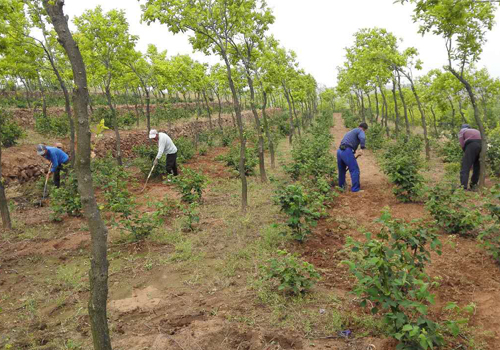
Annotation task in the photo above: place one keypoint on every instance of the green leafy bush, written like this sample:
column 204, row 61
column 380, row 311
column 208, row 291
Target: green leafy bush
column 490, row 236
column 138, row 226
column 190, row 185
column 453, row 209
column 232, row 159
column 10, row 131
column 66, row 199
column 390, row 274
column 185, row 149
column 375, row 137
column 127, row 119
column 293, row 275
column 450, row 150
column 296, row 204
column 52, row 125
column 493, row 155
column 350, row 121
column 402, row 163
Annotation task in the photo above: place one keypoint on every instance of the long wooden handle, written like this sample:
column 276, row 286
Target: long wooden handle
column 152, row 168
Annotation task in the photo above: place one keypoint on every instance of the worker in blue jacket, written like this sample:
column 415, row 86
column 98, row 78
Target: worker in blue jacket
column 346, row 156
column 57, row 158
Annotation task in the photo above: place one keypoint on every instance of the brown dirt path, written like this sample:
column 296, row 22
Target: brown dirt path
column 466, row 273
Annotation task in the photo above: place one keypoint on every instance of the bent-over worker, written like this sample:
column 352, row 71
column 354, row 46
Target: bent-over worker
column 57, row 157
column 470, row 141
column 346, row 158
column 165, row 145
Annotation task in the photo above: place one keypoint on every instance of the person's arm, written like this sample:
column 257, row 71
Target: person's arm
column 55, row 162
column 461, row 138
column 161, row 147
column 362, row 139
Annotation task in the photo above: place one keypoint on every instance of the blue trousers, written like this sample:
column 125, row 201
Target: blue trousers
column 346, row 159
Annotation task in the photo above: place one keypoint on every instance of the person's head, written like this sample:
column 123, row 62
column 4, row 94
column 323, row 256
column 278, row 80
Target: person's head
column 59, row 145
column 41, row 150
column 363, row 126
column 153, row 134
column 465, row 126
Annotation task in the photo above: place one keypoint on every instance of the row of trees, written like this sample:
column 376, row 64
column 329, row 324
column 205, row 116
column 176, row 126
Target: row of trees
column 36, row 39
column 378, row 72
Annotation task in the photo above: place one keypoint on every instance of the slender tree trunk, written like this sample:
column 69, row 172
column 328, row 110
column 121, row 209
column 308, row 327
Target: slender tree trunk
column 28, row 100
column 434, row 122
column 362, row 98
column 464, row 120
column 386, row 110
column 424, row 122
column 237, row 108
column 99, row 263
column 479, row 122
column 115, row 127
column 395, row 105
column 452, row 111
column 148, row 108
column 208, row 109
column 4, row 206
column 412, row 115
column 376, row 102
column 405, row 108
column 220, row 113
column 295, row 113
column 42, row 93
column 292, row 127
column 370, row 106
column 262, row 166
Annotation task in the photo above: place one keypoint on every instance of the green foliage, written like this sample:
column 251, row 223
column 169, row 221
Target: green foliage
column 375, row 136
column 493, row 155
column 190, row 185
column 350, row 121
column 127, row 119
column 228, row 136
column 402, row 163
column 232, row 159
column 296, row 204
column 192, row 216
column 185, row 149
column 10, row 131
column 52, row 125
column 293, row 275
column 113, row 180
column 202, row 150
column 104, row 113
column 138, row 226
column 451, row 151
column 490, row 236
column 66, row 199
column 390, row 274
column 453, row 209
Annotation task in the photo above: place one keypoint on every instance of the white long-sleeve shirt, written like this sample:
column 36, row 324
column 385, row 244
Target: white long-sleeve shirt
column 165, row 145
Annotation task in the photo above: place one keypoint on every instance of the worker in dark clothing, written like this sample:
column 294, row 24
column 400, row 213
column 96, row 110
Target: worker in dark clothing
column 346, row 158
column 470, row 141
column 57, row 158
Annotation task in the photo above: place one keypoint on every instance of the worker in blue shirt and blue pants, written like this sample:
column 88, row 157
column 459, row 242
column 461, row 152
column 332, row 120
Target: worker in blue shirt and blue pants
column 57, row 157
column 346, row 158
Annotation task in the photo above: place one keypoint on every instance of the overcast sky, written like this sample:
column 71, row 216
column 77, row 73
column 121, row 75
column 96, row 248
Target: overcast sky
column 317, row 30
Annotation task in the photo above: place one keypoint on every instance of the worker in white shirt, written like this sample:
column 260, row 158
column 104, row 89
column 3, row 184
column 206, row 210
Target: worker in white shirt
column 165, row 145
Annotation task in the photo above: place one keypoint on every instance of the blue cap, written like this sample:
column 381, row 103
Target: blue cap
column 465, row 126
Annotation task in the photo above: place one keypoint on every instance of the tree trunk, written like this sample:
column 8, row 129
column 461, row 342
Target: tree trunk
column 266, row 128
column 295, row 113
column 237, row 108
column 115, row 127
column 479, row 122
column 434, row 122
column 395, row 105
column 148, row 109
column 27, row 92
column 4, row 205
column 424, row 122
column 376, row 102
column 405, row 108
column 362, row 98
column 385, row 111
column 464, row 120
column 99, row 263
column 292, row 127
column 262, row 166
column 452, row 111
column 208, row 109
column 220, row 113
column 370, row 106
column 42, row 93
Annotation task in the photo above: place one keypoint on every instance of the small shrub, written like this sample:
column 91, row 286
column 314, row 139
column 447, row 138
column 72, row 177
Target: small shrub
column 52, row 126
column 450, row 150
column 293, row 275
column 192, row 216
column 232, row 159
column 185, row 149
column 375, row 137
column 453, row 210
column 295, row 204
column 202, row 151
column 402, row 163
column 10, row 131
column 190, row 185
column 127, row 119
column 390, row 274
column 350, row 121
column 493, row 155
column 66, row 199
column 138, row 226
column 490, row 236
